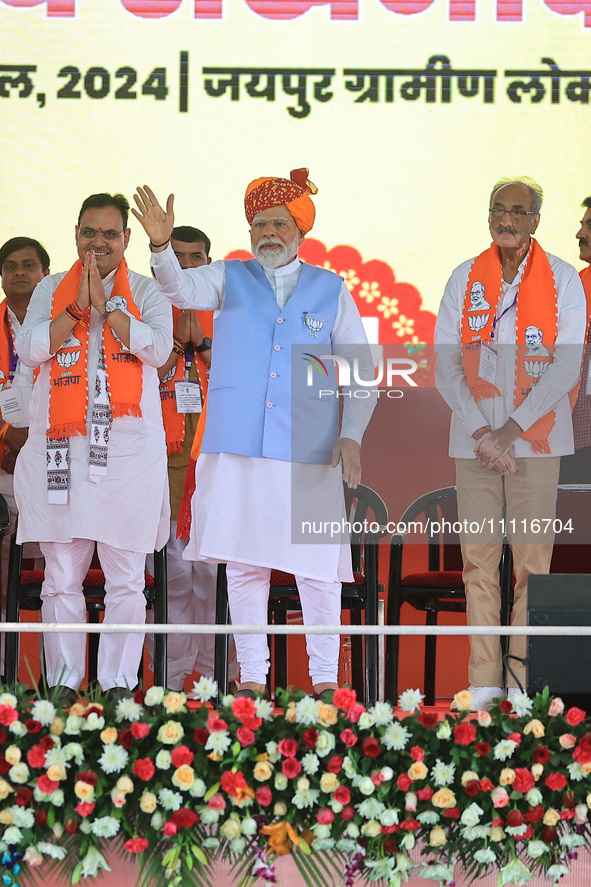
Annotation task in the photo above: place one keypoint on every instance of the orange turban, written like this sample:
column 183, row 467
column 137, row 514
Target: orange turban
column 294, row 193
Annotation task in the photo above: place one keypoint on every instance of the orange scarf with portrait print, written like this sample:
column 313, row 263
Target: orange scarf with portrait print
column 174, row 422
column 536, row 305
column 68, row 383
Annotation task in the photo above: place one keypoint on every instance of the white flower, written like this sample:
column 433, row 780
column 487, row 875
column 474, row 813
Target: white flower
column 366, row 720
column 349, row 768
column 163, row 759
column 94, row 721
column 198, row 789
column 8, row 699
column 280, row 781
column 249, row 826
column 238, row 845
column 273, row 752
column 53, row 850
column 395, row 737
column 55, row 755
column 264, row 709
column 439, row 872
column 74, row 751
column 408, row 841
column 443, row 730
column 204, row 689
column 324, row 844
column 57, row 798
column 410, row 700
column 557, row 871
column 569, row 839
column 210, row 843
column 388, row 817
column 209, row 816
column 344, row 845
column 19, row 773
column 73, row 725
column 170, row 800
column 92, row 862
column 154, row 695
column 503, row 750
column 442, row 773
column 105, row 827
column 366, row 786
column 325, row 743
column 535, row 849
column 387, row 773
column 576, row 772
column 32, row 856
column 306, row 710
column 113, row 759
column 128, row 710
column 218, row 742
column 371, row 808
column 371, row 829
column 485, row 856
column 428, row 817
column 534, row 797
column 522, row 704
column 12, row 835
column 85, row 826
column 321, row 831
column 476, row 832
column 44, row 712
column 22, row 816
column 156, row 821
column 305, row 799
column 514, row 873
column 17, row 728
column 382, row 713
column 310, row 763
column 471, row 815
column 353, row 830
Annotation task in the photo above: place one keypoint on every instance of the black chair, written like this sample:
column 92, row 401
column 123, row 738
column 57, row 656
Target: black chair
column 437, row 589
column 24, row 593
column 364, row 507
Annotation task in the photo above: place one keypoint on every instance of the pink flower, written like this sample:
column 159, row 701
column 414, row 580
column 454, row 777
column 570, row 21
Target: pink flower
column 8, row 714
column 84, row 808
column 325, row 816
column 516, row 737
column 169, row 829
column 217, row 802
column 342, row 795
column 245, row 736
column 499, row 797
column 288, row 748
column 344, row 699
column 217, row 725
column 348, row 737
column 264, row 796
column 47, row 785
column 144, row 768
column 139, row 731
column 523, row 781
column 417, row 753
column 556, row 707
column 291, row 767
column 137, row 845
column 355, row 712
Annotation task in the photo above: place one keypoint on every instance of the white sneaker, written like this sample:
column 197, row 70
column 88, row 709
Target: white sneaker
column 482, row 698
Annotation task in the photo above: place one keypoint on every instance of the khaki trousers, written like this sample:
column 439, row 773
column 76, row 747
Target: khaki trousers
column 488, row 504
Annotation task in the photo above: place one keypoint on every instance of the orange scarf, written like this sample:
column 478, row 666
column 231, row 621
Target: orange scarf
column 585, row 276
column 536, row 305
column 68, row 389
column 174, row 422
column 6, row 337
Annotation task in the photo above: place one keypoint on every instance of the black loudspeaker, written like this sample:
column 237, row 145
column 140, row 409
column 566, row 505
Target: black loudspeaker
column 563, row 663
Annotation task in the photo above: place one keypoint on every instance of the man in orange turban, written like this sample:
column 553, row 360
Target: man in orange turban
column 271, row 448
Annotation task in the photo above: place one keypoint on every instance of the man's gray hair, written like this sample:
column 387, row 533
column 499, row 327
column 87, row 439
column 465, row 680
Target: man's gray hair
column 536, row 190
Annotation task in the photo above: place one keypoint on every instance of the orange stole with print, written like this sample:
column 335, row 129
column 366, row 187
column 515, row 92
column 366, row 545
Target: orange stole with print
column 536, row 306
column 68, row 403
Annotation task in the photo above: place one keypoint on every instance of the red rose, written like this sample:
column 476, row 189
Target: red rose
column 139, row 730
column 425, row 794
column 144, row 768
column 342, row 795
column 169, row 829
column 245, row 736
column 8, row 715
column 264, row 795
column 252, row 723
column 182, row 756
column 482, row 748
column 32, row 725
column 535, row 814
column 310, row 737
column 556, row 782
column 348, row 737
column 574, row 716
column 288, row 748
column 505, row 707
column 428, row 719
column 371, row 747
column 89, row 777
column 291, row 767
column 23, row 796
column 46, row 743
column 126, row 737
column 200, row 736
column 84, row 808
column 36, row 756
column 41, row 817
column 465, row 733
column 217, row 725
column 472, row 788
column 515, row 819
column 404, row 782
column 243, row 707
column 390, row 845
column 523, row 781
column 335, row 764
column 139, row 696
column 569, row 800
column 4, row 765
column 70, row 826
column 355, row 712
column 47, row 785
column 567, row 814
column 347, row 813
column 541, row 755
column 93, row 710
column 344, row 698
column 516, row 737
column 452, row 813
column 231, row 782
column 417, row 753
column 3, row 737
column 549, row 834
column 184, row 818
column 137, row 845
column 486, row 785
column 325, row 816
column 582, row 753
column 410, row 825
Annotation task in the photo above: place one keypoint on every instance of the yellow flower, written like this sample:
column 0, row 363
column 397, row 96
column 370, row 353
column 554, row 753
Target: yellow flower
column 536, row 770
column 170, row 733
column 13, row 755
column 262, row 771
column 5, row 789
column 78, row 709
column 437, row 837
column 417, row 770
column 83, row 790
column 497, row 833
column 536, row 727
column 290, row 713
column 215, row 756
column 183, row 777
column 231, row 827
column 174, row 702
column 109, row 735
column 124, row 785
column 463, row 700
column 371, row 828
column 329, row 782
column 57, row 728
column 551, row 817
column 303, row 784
column 507, row 776
column 148, row 802
column 280, row 808
column 56, row 772
column 468, row 776
column 444, row 798
column 327, row 714
column 6, row 817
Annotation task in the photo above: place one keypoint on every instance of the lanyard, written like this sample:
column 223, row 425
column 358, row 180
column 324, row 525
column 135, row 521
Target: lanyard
column 189, row 354
column 499, row 319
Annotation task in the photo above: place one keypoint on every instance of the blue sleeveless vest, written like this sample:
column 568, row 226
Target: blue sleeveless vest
column 264, row 394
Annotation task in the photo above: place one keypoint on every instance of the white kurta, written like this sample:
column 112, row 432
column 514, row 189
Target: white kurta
column 244, row 507
column 129, row 507
column 23, row 380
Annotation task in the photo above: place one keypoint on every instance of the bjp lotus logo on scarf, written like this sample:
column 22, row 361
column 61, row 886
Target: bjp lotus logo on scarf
column 314, row 324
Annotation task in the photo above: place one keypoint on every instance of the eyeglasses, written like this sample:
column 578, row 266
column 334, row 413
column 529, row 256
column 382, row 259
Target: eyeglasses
column 517, row 215
column 278, row 224
column 91, row 233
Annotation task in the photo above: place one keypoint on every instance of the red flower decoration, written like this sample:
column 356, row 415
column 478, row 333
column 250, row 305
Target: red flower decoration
column 349, row 738
column 582, row 753
column 325, row 816
column 182, row 756
column 36, row 756
column 139, row 730
column 556, row 782
column 541, row 755
column 291, row 767
column 217, row 725
column 144, row 768
column 425, row 794
column 482, row 748
column 417, row 753
column 4, row 765
column 126, row 737
column 472, row 788
column 8, row 715
column 344, row 698
column 243, row 707
column 428, row 719
column 523, row 781
column 41, row 817
column 534, row 815
column 516, row 737
column 355, row 712
column 137, row 845
column 452, row 813
column 410, row 825
column 184, row 818
column 310, row 737
column 465, row 733
column 245, row 736
column 32, row 725
column 47, row 785
column 264, row 795
column 505, row 707
column 335, row 764
column 89, row 777
column 70, row 826
column 514, row 819
column 347, row 813
column 371, row 747
column 288, row 748
column 231, row 782
column 200, row 736
column 404, row 782
column 23, row 796
column 486, row 785
column 84, row 808
column 574, row 716
column 139, row 696
column 169, row 829
column 390, row 845
column 342, row 795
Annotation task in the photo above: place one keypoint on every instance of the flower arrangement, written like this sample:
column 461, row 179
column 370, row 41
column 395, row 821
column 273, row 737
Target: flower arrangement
column 342, row 788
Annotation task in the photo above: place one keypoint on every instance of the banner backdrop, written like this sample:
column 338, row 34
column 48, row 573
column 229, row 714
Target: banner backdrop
column 405, row 111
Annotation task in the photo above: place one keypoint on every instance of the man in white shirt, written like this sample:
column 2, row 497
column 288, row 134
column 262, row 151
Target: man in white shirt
column 270, row 448
column 511, row 418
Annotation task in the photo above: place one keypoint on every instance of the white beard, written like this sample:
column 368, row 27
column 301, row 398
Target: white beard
column 280, row 255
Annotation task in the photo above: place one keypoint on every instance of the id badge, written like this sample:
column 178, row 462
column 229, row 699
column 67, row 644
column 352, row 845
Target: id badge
column 487, row 366
column 188, row 397
column 10, row 405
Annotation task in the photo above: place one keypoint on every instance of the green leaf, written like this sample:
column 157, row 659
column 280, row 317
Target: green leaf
column 212, row 791
column 305, row 847
column 77, row 874
column 199, row 854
